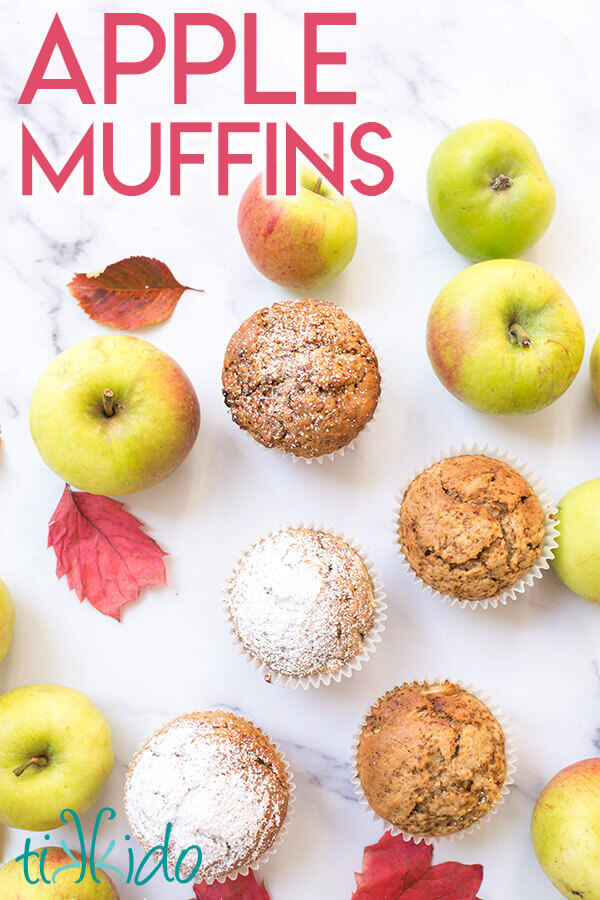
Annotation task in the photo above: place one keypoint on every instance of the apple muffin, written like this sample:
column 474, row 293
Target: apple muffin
column 300, row 376
column 301, row 602
column 431, row 758
column 471, row 526
column 221, row 784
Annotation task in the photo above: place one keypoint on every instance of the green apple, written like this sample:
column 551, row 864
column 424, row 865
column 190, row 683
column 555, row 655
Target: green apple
column 302, row 241
column 7, row 619
column 565, row 829
column 595, row 367
column 488, row 190
column 16, row 884
column 55, row 754
column 114, row 414
column 504, row 337
column 577, row 557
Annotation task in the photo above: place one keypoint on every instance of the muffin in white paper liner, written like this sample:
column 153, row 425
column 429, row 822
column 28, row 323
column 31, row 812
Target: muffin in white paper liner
column 279, row 839
column 550, row 535
column 509, row 753
column 371, row 638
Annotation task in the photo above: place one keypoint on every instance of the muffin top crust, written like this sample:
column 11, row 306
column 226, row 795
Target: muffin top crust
column 431, row 758
column 471, row 526
column 221, row 784
column 301, row 376
column 301, row 602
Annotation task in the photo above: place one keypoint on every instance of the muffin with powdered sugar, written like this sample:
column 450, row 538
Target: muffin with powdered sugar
column 302, row 603
column 220, row 783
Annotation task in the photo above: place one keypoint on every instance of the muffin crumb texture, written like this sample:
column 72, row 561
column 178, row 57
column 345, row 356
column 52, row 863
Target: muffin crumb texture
column 301, row 376
column 431, row 759
column 471, row 526
column 221, row 784
column 301, row 602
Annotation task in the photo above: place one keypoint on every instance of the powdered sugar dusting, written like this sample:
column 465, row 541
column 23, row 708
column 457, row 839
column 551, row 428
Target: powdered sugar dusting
column 301, row 601
column 221, row 785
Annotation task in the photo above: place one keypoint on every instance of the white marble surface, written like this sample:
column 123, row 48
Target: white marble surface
column 421, row 68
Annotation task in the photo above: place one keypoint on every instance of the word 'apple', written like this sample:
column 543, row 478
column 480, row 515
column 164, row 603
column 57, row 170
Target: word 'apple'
column 504, row 337
column 301, row 241
column 14, row 883
column 114, row 415
column 565, row 830
column 488, row 190
column 55, row 754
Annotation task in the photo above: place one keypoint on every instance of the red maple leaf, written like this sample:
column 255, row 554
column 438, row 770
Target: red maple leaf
column 130, row 293
column 394, row 868
column 447, row 881
column 244, row 887
column 103, row 551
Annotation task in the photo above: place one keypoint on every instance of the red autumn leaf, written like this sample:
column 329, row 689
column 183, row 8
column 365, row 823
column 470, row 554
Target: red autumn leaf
column 395, row 869
column 447, row 881
column 129, row 294
column 244, row 887
column 103, row 551
column 391, row 866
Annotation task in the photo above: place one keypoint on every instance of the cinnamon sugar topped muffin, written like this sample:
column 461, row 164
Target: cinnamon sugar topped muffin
column 301, row 376
column 471, row 526
column 431, row 758
column 220, row 783
column 301, row 602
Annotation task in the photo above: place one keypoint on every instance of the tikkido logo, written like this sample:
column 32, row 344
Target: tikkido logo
column 135, row 872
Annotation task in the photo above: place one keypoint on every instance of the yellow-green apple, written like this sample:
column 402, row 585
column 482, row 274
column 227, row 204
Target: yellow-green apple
column 565, row 829
column 55, row 754
column 114, row 414
column 577, row 557
column 7, row 619
column 301, row 241
column 16, row 883
column 488, row 190
column 595, row 367
column 504, row 337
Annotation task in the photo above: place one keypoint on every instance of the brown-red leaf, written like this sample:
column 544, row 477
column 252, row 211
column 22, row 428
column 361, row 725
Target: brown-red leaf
column 244, row 887
column 447, row 881
column 129, row 294
column 394, row 868
column 390, row 867
column 103, row 551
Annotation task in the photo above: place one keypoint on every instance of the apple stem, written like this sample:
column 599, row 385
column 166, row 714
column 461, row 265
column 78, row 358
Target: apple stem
column 518, row 335
column 318, row 183
column 501, row 183
column 108, row 402
column 40, row 761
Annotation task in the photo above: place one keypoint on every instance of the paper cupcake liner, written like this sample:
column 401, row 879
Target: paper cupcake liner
column 509, row 752
column 551, row 530
column 370, row 641
column 272, row 850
